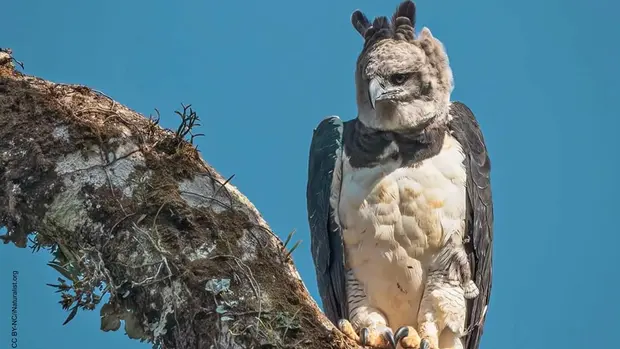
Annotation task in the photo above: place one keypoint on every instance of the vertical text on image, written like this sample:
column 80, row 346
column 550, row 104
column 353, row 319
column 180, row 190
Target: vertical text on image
column 14, row 310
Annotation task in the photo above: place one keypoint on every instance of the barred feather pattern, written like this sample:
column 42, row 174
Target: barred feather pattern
column 451, row 267
column 361, row 314
column 448, row 287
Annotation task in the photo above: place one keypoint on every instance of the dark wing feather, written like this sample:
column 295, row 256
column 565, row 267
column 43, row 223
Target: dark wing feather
column 479, row 225
column 326, row 238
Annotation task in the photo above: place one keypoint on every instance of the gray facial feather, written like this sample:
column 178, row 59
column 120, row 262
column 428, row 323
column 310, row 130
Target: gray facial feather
column 390, row 48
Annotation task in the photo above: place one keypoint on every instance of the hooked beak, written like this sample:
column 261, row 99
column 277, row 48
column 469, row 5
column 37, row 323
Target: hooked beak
column 378, row 92
column 375, row 91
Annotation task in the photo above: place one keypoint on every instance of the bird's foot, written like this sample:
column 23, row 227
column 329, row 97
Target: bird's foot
column 378, row 337
column 428, row 333
column 409, row 338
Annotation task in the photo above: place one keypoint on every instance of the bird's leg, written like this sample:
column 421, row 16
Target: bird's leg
column 369, row 328
column 443, row 304
column 429, row 335
column 469, row 286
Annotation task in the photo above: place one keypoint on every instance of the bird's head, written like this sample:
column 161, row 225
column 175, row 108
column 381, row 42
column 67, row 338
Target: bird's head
column 403, row 82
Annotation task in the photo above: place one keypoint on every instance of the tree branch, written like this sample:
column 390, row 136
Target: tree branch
column 129, row 210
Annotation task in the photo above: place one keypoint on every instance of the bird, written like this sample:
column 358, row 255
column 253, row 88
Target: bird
column 399, row 198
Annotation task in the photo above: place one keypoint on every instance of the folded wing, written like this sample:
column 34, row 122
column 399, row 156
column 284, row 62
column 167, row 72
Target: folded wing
column 479, row 225
column 326, row 239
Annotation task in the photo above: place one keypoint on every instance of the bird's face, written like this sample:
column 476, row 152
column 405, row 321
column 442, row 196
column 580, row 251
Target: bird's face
column 403, row 84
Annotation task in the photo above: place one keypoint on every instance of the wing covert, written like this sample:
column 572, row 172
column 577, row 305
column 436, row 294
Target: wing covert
column 326, row 240
column 479, row 224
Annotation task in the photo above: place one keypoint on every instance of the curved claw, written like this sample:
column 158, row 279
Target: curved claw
column 389, row 336
column 401, row 333
column 425, row 344
column 408, row 338
column 364, row 334
column 381, row 337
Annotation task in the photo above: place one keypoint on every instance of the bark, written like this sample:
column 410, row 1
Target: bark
column 130, row 209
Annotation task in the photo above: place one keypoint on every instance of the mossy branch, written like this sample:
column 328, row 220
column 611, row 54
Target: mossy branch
column 131, row 210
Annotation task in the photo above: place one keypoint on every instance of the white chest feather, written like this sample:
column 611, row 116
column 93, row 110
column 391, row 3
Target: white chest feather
column 395, row 218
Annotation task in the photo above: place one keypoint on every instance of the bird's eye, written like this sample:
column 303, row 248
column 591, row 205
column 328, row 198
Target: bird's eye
column 399, row 79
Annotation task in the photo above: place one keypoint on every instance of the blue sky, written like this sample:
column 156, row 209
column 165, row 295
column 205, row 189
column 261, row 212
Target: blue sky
column 541, row 77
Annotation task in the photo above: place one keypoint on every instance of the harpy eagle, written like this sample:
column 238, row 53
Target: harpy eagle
column 399, row 199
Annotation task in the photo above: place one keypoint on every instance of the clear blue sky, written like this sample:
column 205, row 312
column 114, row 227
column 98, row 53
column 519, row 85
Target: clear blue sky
column 541, row 76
